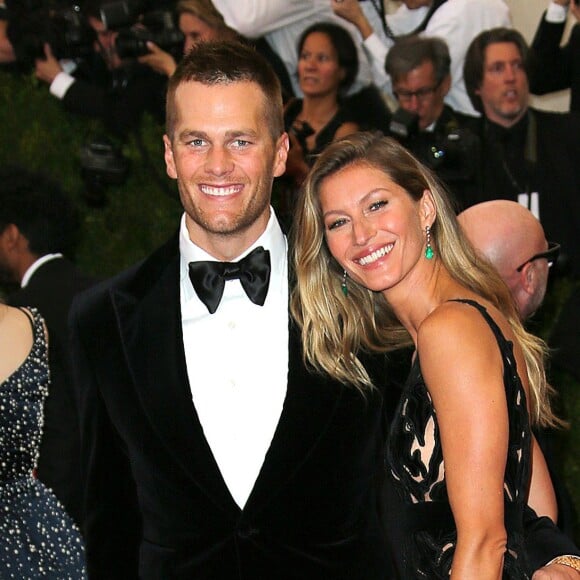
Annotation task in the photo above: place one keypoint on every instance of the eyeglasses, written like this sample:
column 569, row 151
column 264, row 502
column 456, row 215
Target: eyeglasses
column 421, row 94
column 551, row 254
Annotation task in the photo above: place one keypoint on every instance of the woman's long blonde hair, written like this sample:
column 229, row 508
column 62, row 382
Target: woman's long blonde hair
column 335, row 327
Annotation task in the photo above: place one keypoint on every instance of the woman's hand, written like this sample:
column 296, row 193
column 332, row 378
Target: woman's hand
column 159, row 60
column 350, row 10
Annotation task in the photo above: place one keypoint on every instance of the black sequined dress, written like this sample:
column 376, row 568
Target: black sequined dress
column 419, row 520
column 37, row 537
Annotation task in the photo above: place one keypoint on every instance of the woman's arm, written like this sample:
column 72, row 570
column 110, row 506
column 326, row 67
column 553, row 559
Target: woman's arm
column 463, row 371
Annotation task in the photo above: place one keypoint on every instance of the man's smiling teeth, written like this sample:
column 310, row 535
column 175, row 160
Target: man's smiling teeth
column 376, row 255
column 219, row 191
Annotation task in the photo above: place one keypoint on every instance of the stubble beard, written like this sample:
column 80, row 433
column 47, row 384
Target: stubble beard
column 227, row 225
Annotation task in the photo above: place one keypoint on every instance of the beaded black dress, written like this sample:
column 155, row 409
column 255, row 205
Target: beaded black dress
column 420, row 523
column 37, row 537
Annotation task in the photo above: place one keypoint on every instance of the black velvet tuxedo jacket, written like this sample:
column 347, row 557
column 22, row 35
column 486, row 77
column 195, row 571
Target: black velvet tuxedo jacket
column 51, row 289
column 155, row 499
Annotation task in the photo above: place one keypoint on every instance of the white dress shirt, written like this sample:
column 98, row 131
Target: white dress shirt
column 35, row 265
column 237, row 362
column 556, row 13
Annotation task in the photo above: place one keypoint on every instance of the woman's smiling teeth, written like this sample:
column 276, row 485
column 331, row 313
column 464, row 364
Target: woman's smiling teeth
column 219, row 191
column 374, row 256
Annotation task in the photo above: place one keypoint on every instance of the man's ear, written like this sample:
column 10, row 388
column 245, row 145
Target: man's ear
column 529, row 278
column 169, row 159
column 282, row 147
column 10, row 237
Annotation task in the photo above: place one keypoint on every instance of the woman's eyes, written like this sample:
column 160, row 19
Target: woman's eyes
column 374, row 206
column 378, row 205
column 336, row 224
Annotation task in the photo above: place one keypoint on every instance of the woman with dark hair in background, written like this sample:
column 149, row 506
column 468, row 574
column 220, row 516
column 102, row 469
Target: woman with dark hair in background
column 327, row 66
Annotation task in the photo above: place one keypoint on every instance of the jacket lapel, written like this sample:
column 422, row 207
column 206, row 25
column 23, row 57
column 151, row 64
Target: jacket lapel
column 310, row 404
column 149, row 318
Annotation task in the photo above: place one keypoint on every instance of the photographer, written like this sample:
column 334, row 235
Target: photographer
column 198, row 21
column 424, row 124
column 106, row 84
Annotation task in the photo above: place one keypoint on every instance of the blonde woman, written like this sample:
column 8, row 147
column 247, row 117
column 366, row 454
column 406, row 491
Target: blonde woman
column 381, row 263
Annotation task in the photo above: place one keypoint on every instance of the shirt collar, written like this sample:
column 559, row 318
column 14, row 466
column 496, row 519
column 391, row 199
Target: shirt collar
column 35, row 265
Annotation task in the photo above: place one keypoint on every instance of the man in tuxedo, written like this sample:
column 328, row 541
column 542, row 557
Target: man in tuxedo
column 38, row 226
column 210, row 450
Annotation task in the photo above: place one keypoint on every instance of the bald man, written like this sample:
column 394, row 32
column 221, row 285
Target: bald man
column 513, row 240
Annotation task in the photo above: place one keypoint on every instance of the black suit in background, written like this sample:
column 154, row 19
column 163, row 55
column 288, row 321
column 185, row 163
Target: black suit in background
column 540, row 153
column 553, row 67
column 51, row 289
column 451, row 149
column 565, row 339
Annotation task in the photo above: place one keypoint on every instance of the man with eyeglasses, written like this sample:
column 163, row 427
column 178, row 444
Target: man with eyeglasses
column 513, row 240
column 458, row 21
column 433, row 131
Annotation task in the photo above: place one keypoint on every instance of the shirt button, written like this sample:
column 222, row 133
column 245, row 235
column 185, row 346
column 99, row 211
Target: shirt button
column 248, row 532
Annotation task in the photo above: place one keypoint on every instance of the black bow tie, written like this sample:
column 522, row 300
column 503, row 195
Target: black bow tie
column 253, row 271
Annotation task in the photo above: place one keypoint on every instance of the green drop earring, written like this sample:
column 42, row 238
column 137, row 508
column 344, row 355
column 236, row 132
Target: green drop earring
column 343, row 285
column 428, row 250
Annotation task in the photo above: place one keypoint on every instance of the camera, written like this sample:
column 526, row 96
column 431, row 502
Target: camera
column 124, row 13
column 64, row 29
column 452, row 152
column 102, row 164
column 453, row 155
column 139, row 22
column 157, row 27
column 403, row 124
